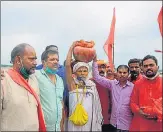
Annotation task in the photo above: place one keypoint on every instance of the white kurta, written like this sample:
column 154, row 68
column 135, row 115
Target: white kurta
column 91, row 104
column 18, row 106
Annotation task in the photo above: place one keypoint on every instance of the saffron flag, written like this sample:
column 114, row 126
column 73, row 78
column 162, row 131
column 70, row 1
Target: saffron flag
column 108, row 46
column 159, row 51
column 159, row 19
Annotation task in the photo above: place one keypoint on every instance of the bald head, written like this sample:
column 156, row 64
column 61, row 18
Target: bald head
column 19, row 50
column 28, row 51
column 23, row 56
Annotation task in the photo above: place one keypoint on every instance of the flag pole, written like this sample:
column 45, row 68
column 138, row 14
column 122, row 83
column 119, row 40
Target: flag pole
column 109, row 44
column 113, row 53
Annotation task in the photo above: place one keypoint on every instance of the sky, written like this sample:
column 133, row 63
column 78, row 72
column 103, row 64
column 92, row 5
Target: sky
column 43, row 23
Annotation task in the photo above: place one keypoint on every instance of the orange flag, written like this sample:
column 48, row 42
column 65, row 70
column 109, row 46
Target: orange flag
column 108, row 46
column 159, row 19
column 159, row 51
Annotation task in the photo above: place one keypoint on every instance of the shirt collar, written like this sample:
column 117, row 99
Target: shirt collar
column 153, row 78
column 44, row 73
column 127, row 84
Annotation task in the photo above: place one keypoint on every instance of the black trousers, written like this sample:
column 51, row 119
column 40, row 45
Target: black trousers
column 111, row 128
column 107, row 127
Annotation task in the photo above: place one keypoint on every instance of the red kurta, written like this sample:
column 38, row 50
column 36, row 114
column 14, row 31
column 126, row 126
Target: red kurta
column 138, row 78
column 142, row 96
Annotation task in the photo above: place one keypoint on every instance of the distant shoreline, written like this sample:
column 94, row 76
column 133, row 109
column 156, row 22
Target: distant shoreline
column 3, row 65
column 9, row 66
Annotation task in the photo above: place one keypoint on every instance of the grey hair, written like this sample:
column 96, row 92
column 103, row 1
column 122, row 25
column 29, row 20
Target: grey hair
column 45, row 54
column 18, row 50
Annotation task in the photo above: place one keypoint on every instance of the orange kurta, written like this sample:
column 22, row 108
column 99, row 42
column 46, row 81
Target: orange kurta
column 142, row 96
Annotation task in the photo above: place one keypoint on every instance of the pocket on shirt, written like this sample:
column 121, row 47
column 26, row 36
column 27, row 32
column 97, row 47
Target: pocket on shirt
column 59, row 91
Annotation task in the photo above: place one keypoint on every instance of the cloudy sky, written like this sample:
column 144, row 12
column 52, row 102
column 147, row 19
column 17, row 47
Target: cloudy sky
column 60, row 23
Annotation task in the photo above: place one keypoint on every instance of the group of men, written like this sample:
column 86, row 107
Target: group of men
column 38, row 100
column 33, row 100
column 128, row 103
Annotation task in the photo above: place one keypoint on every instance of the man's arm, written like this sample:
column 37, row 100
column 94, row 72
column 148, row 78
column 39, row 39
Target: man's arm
column 2, row 96
column 2, row 74
column 69, row 79
column 3, row 92
column 134, row 102
column 2, row 88
column 99, row 79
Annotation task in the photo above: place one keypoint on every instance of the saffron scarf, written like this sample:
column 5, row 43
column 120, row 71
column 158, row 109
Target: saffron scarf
column 17, row 78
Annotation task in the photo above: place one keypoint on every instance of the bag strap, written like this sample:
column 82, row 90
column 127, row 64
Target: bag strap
column 84, row 93
column 77, row 94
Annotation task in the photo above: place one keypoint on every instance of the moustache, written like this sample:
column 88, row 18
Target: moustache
column 83, row 79
column 133, row 72
column 34, row 67
column 102, row 72
column 149, row 70
column 56, row 65
column 122, row 78
column 30, row 71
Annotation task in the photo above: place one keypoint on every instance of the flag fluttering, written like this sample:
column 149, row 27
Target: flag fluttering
column 109, row 44
column 159, row 19
column 159, row 51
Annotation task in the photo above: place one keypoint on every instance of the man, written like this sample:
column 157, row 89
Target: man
column 141, row 67
column 79, row 85
column 121, row 89
column 20, row 105
column 66, row 94
column 135, row 69
column 51, row 91
column 110, row 74
column 60, row 72
column 104, row 95
column 61, row 68
column 101, row 67
column 147, row 92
